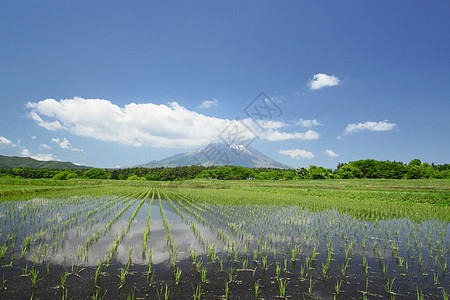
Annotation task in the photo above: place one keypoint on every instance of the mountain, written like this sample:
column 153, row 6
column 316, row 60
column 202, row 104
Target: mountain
column 28, row 162
column 219, row 154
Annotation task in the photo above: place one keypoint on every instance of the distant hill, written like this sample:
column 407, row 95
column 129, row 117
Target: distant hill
column 28, row 162
column 219, row 154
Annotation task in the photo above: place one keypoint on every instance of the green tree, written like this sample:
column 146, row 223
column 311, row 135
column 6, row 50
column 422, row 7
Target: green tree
column 427, row 171
column 414, row 169
column 349, row 171
column 136, row 177
column 319, row 172
column 303, row 173
column 96, row 173
column 415, row 162
column 64, row 175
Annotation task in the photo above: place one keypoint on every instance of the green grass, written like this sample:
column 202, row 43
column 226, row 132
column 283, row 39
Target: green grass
column 364, row 199
column 21, row 189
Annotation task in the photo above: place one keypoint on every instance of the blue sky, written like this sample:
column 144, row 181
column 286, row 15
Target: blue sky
column 106, row 83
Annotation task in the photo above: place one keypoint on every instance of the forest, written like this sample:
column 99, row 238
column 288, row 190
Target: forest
column 368, row 168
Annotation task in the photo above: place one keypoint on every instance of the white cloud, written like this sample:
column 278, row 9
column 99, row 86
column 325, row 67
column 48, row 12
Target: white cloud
column 297, row 153
column 331, row 153
column 144, row 124
column 275, row 136
column 45, row 147
column 5, row 141
column 64, row 144
column 321, row 80
column 44, row 157
column 307, row 123
column 369, row 126
column 39, row 156
column 47, row 125
column 209, row 103
column 25, row 152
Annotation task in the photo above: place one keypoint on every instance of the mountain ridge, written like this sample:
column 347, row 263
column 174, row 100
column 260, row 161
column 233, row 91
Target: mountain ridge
column 28, row 162
column 219, row 154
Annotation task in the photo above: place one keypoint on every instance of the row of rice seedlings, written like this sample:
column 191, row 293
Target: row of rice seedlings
column 171, row 246
column 38, row 237
column 350, row 237
column 120, row 235
column 67, row 212
column 94, row 236
column 147, row 229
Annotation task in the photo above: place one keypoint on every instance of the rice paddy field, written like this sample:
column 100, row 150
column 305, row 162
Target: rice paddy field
column 201, row 239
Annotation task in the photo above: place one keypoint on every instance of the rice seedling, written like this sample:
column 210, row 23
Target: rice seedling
column 226, row 289
column 122, row 276
column 3, row 251
column 255, row 255
column 256, row 288
column 344, row 268
column 337, row 287
column 325, row 267
column 63, row 280
column 221, row 264
column 33, row 276
column 436, row 279
column 302, row 271
column 97, row 272
column 244, row 264
column 230, row 275
column 311, row 286
column 203, row 275
column 198, row 292
column 64, row 294
column 3, row 287
column 264, row 262
column 178, row 276
column 282, row 288
column 166, row 293
column 278, row 272
column 294, row 255
column 388, row 286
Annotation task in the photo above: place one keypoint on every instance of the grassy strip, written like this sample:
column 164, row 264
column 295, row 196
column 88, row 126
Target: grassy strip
column 360, row 206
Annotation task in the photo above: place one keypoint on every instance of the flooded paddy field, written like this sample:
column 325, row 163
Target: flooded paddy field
column 164, row 242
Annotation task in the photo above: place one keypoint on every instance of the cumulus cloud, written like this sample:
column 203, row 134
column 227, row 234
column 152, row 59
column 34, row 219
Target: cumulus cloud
column 39, row 156
column 330, row 153
column 25, row 152
column 321, row 80
column 307, row 123
column 44, row 157
column 275, row 136
column 45, row 147
column 297, row 153
column 4, row 141
column 145, row 124
column 64, row 144
column 46, row 124
column 369, row 126
column 209, row 103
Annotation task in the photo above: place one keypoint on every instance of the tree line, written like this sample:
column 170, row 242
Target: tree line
column 368, row 168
